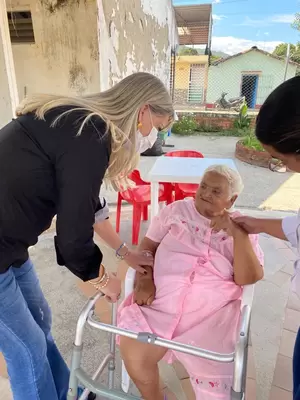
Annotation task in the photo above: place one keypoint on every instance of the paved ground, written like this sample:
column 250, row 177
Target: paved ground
column 271, row 297
column 263, row 188
column 271, row 294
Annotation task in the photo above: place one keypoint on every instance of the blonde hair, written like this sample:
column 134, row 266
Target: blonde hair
column 119, row 108
column 233, row 177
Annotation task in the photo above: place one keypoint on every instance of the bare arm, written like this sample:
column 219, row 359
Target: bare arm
column 107, row 233
column 147, row 245
column 272, row 227
column 246, row 266
column 144, row 287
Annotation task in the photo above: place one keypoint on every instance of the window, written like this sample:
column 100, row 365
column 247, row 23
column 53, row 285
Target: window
column 20, row 27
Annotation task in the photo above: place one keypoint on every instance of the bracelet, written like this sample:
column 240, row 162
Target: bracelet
column 97, row 284
column 122, row 256
column 100, row 278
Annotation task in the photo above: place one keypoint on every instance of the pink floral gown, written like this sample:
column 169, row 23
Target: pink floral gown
column 197, row 301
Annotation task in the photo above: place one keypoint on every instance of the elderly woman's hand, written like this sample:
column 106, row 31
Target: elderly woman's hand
column 139, row 259
column 224, row 222
column 144, row 291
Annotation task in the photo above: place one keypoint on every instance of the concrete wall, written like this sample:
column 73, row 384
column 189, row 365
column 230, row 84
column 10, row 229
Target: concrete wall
column 227, row 76
column 135, row 35
column 5, row 100
column 64, row 58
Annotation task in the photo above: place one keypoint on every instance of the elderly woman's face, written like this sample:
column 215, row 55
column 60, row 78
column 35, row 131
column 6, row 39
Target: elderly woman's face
column 213, row 195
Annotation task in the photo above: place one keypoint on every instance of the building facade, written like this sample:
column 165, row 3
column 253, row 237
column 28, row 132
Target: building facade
column 254, row 74
column 81, row 46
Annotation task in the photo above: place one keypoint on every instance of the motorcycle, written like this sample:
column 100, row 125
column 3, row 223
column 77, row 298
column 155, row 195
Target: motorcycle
column 233, row 103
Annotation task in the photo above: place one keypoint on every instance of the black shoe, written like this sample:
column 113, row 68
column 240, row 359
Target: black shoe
column 91, row 396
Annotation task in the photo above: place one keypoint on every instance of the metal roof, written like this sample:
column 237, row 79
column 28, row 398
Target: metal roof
column 194, row 24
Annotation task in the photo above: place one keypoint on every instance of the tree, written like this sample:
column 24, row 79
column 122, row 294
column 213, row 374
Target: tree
column 296, row 23
column 214, row 58
column 187, row 51
column 281, row 51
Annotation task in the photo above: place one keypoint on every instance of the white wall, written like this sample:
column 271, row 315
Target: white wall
column 227, row 76
column 64, row 58
column 5, row 100
column 130, row 36
column 136, row 35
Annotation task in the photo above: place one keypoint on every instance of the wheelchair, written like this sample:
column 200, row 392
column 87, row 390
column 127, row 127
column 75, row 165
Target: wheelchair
column 79, row 376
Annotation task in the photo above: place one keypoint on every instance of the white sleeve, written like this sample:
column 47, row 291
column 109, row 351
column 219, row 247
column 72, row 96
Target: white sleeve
column 289, row 227
column 103, row 211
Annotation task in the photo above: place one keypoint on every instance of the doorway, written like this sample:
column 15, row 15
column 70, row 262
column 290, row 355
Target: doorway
column 249, row 89
column 196, row 84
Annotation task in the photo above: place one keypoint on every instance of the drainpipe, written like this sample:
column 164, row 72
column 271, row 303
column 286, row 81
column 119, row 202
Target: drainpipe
column 287, row 61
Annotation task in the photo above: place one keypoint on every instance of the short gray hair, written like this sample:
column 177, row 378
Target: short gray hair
column 233, row 177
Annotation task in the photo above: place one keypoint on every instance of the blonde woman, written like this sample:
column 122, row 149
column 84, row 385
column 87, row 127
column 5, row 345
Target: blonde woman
column 53, row 160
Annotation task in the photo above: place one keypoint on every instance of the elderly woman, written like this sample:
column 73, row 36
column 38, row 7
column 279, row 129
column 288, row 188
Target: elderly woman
column 202, row 261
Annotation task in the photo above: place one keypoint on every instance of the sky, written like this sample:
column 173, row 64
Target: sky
column 241, row 24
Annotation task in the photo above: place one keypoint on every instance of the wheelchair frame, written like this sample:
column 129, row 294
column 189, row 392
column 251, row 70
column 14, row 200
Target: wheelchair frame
column 77, row 374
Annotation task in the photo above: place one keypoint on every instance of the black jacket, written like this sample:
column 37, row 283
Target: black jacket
column 47, row 171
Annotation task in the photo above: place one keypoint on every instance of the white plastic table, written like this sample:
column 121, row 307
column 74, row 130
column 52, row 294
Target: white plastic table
column 179, row 170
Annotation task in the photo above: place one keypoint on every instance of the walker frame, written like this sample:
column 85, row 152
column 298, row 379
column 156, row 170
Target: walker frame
column 77, row 374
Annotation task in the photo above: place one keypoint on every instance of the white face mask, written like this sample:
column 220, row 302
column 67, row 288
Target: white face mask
column 144, row 143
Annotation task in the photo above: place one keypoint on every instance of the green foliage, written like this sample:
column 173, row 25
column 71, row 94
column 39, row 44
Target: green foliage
column 214, row 58
column 281, row 51
column 243, row 121
column 187, row 51
column 186, row 125
column 252, row 142
column 296, row 23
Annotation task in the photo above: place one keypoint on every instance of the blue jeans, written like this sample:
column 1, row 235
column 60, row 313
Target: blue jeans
column 36, row 369
column 296, row 368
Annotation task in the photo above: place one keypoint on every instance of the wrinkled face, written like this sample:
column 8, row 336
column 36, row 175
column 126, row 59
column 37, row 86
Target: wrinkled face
column 213, row 195
column 292, row 161
column 149, row 120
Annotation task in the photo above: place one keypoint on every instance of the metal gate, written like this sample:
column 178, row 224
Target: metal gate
column 172, row 73
column 196, row 84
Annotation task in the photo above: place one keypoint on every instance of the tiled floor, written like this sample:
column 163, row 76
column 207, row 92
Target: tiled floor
column 282, row 382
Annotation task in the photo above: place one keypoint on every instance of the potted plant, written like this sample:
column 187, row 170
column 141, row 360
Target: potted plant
column 249, row 149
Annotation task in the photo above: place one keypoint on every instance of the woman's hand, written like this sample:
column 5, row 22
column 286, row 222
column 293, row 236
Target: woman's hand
column 224, row 222
column 138, row 259
column 249, row 224
column 144, row 292
column 113, row 289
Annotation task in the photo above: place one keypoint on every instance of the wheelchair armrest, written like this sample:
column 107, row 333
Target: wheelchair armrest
column 247, row 297
column 129, row 281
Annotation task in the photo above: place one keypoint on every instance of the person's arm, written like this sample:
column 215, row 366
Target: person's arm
column 252, row 225
column 285, row 229
column 104, row 228
column 144, row 291
column 80, row 167
column 144, row 286
column 107, row 233
column 247, row 268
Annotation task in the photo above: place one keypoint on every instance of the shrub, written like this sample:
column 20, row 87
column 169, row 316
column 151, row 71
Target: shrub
column 187, row 125
column 252, row 142
column 243, row 121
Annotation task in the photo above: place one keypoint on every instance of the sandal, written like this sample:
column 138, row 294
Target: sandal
column 277, row 166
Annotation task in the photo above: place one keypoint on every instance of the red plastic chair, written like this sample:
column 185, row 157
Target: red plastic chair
column 140, row 197
column 183, row 190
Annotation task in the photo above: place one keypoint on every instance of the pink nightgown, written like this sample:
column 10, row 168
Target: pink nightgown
column 197, row 301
